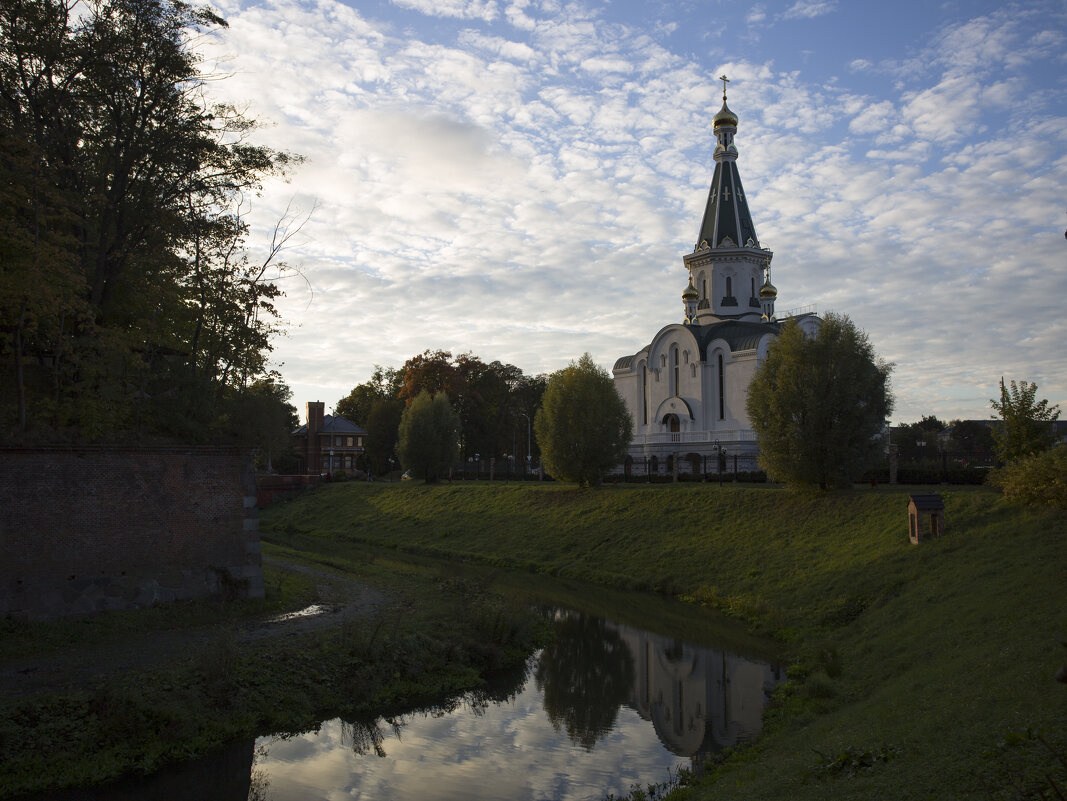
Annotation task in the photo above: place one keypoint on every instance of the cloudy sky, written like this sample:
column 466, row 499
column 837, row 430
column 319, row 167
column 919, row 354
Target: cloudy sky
column 520, row 178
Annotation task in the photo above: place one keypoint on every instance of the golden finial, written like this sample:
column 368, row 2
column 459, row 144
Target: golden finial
column 725, row 81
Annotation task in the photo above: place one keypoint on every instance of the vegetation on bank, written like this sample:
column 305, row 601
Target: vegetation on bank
column 437, row 637
column 918, row 671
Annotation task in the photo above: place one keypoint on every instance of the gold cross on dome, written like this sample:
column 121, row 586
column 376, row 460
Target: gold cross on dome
column 725, row 81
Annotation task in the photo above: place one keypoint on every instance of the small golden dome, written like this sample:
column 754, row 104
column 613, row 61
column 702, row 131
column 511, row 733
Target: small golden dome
column 690, row 292
column 724, row 117
column 768, row 290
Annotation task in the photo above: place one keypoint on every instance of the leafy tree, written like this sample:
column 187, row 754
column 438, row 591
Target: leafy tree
column 971, row 440
column 261, row 418
column 433, row 372
column 128, row 299
column 818, row 404
column 583, row 427
column 1026, row 424
column 917, row 441
column 428, row 436
column 383, row 422
column 384, row 383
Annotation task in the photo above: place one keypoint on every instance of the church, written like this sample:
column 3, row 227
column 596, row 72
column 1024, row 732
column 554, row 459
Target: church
column 686, row 390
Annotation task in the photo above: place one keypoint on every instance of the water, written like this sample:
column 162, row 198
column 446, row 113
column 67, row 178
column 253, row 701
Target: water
column 604, row 707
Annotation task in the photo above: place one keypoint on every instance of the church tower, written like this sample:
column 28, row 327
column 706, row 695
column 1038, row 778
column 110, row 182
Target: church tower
column 727, row 267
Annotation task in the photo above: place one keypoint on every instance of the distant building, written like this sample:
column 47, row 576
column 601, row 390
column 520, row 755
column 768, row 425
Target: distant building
column 327, row 443
column 687, row 389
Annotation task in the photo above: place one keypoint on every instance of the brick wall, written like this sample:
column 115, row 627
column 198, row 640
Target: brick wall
column 91, row 529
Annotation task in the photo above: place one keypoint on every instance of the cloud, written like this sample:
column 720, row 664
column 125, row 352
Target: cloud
column 459, row 9
column 525, row 188
column 809, row 9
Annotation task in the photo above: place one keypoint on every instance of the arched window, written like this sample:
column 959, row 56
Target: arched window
column 729, row 286
column 753, row 287
column 674, row 370
column 722, row 392
column 644, row 394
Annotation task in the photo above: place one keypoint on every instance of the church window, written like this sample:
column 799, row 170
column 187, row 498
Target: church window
column 703, row 287
column 722, row 394
column 753, row 288
column 644, row 394
column 729, row 287
column 674, row 370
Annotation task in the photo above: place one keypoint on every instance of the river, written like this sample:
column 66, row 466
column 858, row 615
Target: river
column 605, row 706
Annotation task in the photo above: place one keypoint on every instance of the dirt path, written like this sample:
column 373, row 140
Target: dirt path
column 341, row 599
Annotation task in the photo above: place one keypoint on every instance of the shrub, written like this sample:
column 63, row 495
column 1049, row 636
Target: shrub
column 1039, row 480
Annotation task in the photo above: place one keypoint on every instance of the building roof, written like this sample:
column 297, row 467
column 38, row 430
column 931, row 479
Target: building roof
column 334, row 424
column 927, row 502
column 739, row 334
column 726, row 215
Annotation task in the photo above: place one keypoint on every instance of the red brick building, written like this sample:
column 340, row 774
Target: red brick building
column 327, row 443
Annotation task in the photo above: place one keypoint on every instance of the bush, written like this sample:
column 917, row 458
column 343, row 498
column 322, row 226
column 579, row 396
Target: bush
column 1039, row 480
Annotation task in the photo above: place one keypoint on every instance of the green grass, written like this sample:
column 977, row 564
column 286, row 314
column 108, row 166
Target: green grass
column 919, row 671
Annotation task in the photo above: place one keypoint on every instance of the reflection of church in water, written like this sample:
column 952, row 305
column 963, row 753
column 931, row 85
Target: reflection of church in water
column 698, row 699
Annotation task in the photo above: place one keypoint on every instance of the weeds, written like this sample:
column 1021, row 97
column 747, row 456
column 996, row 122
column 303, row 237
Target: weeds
column 851, row 762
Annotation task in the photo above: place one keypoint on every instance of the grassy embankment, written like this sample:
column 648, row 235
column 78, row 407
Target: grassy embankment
column 919, row 672
column 176, row 681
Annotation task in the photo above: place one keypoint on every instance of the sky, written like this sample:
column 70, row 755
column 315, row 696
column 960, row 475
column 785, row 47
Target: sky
column 521, row 178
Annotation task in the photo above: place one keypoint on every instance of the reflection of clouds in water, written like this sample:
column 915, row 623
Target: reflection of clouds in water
column 667, row 698
column 509, row 751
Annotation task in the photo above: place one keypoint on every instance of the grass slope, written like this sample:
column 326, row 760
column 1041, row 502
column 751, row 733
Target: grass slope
column 920, row 672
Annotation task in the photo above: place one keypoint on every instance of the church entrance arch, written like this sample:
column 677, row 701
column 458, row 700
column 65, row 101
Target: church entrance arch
column 674, row 426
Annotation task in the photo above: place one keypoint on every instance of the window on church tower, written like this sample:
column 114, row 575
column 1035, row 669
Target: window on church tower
column 729, row 287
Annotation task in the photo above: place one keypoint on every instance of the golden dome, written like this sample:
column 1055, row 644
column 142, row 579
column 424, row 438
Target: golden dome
column 724, row 117
column 768, row 290
column 690, row 292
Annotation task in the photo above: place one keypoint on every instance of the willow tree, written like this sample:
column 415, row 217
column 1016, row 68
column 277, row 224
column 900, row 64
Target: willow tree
column 818, row 404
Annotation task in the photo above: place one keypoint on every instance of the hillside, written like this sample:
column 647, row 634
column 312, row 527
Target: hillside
column 919, row 672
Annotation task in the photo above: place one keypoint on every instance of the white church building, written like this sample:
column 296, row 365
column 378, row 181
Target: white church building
column 686, row 390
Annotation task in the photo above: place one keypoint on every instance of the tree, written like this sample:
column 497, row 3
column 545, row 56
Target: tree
column 130, row 304
column 971, row 440
column 428, row 436
column 433, row 372
column 1026, row 425
column 818, row 404
column 583, row 427
column 384, row 383
column 383, row 422
column 918, row 441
